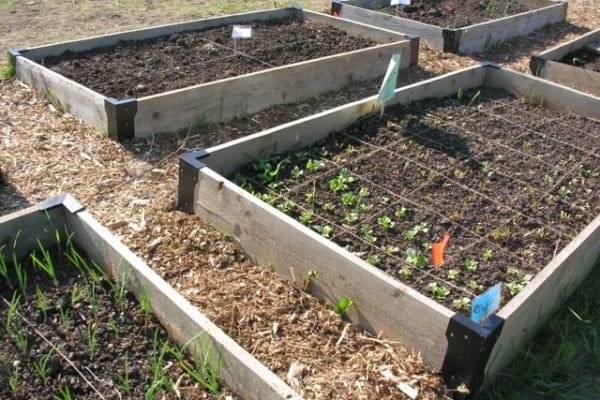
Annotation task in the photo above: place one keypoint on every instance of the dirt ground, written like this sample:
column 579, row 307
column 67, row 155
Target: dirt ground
column 131, row 189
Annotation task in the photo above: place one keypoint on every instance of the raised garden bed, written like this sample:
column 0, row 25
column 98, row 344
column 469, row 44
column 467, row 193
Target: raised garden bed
column 517, row 195
column 575, row 64
column 457, row 26
column 69, row 327
column 162, row 79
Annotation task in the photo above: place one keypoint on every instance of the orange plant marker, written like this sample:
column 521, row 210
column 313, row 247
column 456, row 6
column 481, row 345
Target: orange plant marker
column 437, row 251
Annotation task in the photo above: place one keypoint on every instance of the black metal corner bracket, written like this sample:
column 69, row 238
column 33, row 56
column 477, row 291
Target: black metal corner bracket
column 451, row 39
column 189, row 165
column 336, row 8
column 469, row 349
column 120, row 116
column 65, row 200
column 537, row 64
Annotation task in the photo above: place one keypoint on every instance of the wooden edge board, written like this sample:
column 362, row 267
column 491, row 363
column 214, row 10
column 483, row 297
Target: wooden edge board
column 238, row 369
column 65, row 94
column 528, row 310
column 571, row 76
column 557, row 52
column 40, row 52
column 229, row 157
column 247, row 94
column 550, row 94
column 380, row 303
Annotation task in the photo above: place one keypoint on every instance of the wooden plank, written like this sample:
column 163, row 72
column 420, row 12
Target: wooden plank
column 66, row 95
column 239, row 370
column 354, row 28
column 353, row 10
column 229, row 98
column 271, row 237
column 38, row 53
column 593, row 47
column 558, row 52
column 486, row 35
column 229, row 157
column 527, row 311
column 577, row 78
column 538, row 90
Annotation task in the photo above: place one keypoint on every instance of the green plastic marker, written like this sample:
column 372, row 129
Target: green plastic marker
column 389, row 82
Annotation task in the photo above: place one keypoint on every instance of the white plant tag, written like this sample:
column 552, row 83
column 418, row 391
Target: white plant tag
column 400, row 3
column 241, row 32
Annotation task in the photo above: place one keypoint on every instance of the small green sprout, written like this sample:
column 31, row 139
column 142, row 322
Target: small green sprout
column 564, row 216
column 385, row 222
column 323, row 230
column 400, row 212
column 383, row 200
column 314, row 165
column 341, row 181
column 475, row 286
column 373, row 259
column 328, row 207
column 453, row 274
column 351, row 217
column 309, row 277
column 415, row 258
column 390, row 250
column 348, row 198
column 427, row 246
column 364, row 192
column 41, row 365
column 342, row 306
column 470, row 264
column 461, row 304
column 405, row 273
column 514, row 288
column 286, row 206
column 487, row 254
column 297, row 172
column 438, row 291
column 562, row 191
column 306, row 217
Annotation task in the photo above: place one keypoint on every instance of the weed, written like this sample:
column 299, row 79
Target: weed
column 500, row 234
column 8, row 71
column 364, row 192
column 342, row 305
column 564, row 216
column 76, row 296
column 427, row 246
column 41, row 365
column 514, row 288
column 383, row 200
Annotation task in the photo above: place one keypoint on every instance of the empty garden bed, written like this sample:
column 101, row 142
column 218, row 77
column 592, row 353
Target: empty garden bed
column 457, row 26
column 575, row 64
column 510, row 182
column 176, row 76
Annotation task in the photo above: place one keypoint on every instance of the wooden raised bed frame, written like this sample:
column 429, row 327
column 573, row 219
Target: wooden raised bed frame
column 216, row 101
column 239, row 370
column 547, row 65
column 465, row 352
column 470, row 39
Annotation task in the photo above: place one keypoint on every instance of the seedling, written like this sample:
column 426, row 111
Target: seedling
column 400, row 212
column 383, row 200
column 351, row 217
column 415, row 258
column 41, row 365
column 385, row 222
column 306, row 217
column 410, row 234
column 549, row 180
column 475, row 286
column 113, row 326
column 390, row 250
column 514, row 288
column 76, row 295
column 348, row 198
column 21, row 275
column 541, row 233
column 64, row 319
column 373, row 259
column 487, row 254
column 323, row 230
column 42, row 301
column 453, row 274
column 341, row 181
column 438, row 291
column 286, row 206
column 145, row 307
column 297, row 172
column 364, row 192
column 342, row 305
column 405, row 272
column 474, row 98
column 125, row 385
column 11, row 313
column 576, row 61
column 564, row 216
column 13, row 381
column 328, row 207
column 526, row 145
column 268, row 173
column 63, row 394
column 460, row 94
column 461, row 304
column 562, row 191
column 204, row 371
column 314, row 165
column 500, row 234
column 309, row 277
column 3, row 264
column 427, row 246
column 470, row 264
column 120, row 289
column 46, row 265
column 302, row 155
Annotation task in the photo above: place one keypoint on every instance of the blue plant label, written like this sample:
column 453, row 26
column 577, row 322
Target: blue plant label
column 400, row 2
column 486, row 304
column 389, row 80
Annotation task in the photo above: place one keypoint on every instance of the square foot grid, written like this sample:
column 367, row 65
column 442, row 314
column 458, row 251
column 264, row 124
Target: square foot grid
column 503, row 178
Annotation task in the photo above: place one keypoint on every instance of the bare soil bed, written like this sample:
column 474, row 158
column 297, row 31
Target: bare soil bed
column 584, row 59
column 456, row 14
column 511, row 183
column 85, row 336
column 141, row 68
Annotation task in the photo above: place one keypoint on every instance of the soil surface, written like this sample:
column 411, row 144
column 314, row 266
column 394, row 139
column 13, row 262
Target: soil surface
column 501, row 177
column 142, row 68
column 456, row 14
column 583, row 58
column 81, row 335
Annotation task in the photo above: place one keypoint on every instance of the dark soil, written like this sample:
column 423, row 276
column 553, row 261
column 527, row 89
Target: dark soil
column 456, row 13
column 111, row 342
column 505, row 179
column 142, row 68
column 583, row 58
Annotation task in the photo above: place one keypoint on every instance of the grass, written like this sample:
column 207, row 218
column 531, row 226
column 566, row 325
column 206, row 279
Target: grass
column 562, row 362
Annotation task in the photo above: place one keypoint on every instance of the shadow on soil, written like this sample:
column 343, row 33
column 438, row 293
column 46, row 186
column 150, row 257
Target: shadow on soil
column 562, row 361
column 540, row 40
column 10, row 199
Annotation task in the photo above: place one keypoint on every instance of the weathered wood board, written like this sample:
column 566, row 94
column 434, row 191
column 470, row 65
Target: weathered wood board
column 546, row 64
column 271, row 237
column 471, row 39
column 239, row 370
column 216, row 101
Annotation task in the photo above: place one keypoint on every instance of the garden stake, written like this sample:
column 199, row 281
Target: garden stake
column 437, row 250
